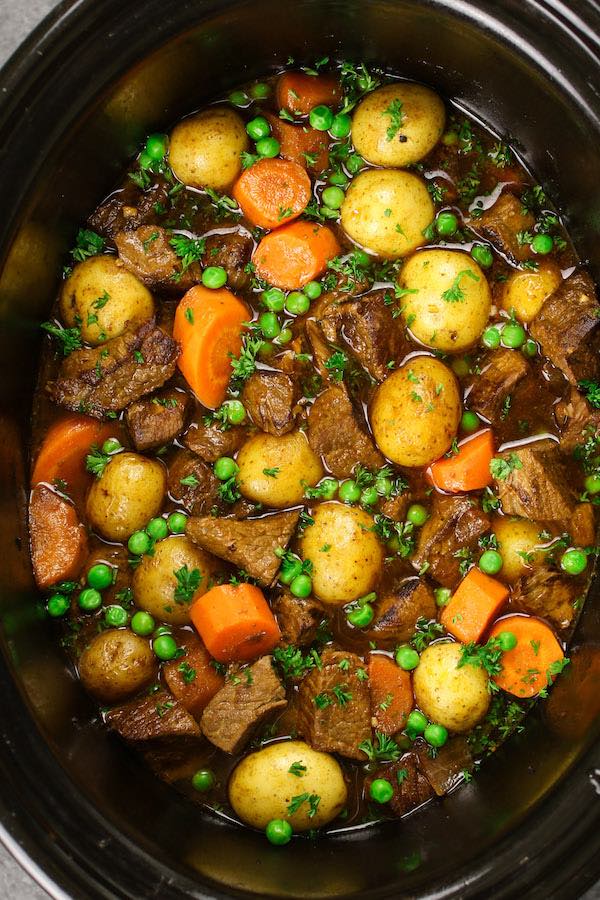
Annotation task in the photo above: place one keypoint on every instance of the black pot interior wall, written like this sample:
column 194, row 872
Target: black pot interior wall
column 107, row 75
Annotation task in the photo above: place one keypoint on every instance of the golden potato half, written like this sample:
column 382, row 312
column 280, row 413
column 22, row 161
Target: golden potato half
column 525, row 291
column 457, row 698
column 274, row 470
column 205, row 149
column 127, row 495
column 116, row 664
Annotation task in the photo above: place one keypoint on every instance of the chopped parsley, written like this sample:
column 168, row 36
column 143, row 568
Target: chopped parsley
column 297, row 769
column 502, row 468
column 189, row 250
column 455, row 293
column 68, row 339
column 188, row 583
column 394, row 111
column 383, row 749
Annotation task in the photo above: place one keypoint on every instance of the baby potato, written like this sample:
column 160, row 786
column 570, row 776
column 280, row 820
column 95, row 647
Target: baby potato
column 103, row 298
column 416, row 411
column 449, row 301
column 456, row 698
column 129, row 492
column 386, row 211
column 420, row 114
column 525, row 291
column 275, row 470
column 205, row 148
column 351, row 564
column 516, row 536
column 155, row 583
column 117, row 663
column 261, row 786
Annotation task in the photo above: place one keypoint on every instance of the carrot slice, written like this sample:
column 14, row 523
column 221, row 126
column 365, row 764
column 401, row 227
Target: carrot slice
column 476, row 602
column 235, row 622
column 63, row 451
column 58, row 541
column 208, row 325
column 272, row 192
column 299, row 93
column 301, row 144
column 193, row 680
column 391, row 693
column 535, row 661
column 292, row 256
column 467, row 470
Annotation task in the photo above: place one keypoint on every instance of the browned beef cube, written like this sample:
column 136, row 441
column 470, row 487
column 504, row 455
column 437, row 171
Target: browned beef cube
column 192, row 483
column 397, row 613
column 210, row 442
column 455, row 523
column 243, row 705
column 146, row 251
column 501, row 371
column 445, row 769
column 128, row 208
column 582, row 527
column 108, row 378
column 568, row 329
column 156, row 421
column 334, row 705
column 502, row 222
column 298, row 617
column 537, row 487
column 576, row 420
column 411, row 787
column 249, row 544
column 396, row 507
column 548, row 594
column 335, row 434
column 270, row 399
column 232, row 252
column 320, row 348
column 156, row 717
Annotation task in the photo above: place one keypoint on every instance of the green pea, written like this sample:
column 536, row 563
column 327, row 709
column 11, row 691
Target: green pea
column 530, row 348
column 157, row 529
column 469, row 421
column 89, row 599
column 542, row 244
column 157, row 145
column 58, row 605
column 349, row 491
column 258, row 128
column 435, row 735
column 236, row 412
column 292, row 570
column 416, row 723
column 507, row 640
column 225, row 468
column 321, row 118
column 362, row 616
column 160, row 630
column 361, row 258
column 513, row 336
column 573, row 561
column 297, row 303
column 269, row 324
column 329, row 488
column 273, row 299
column 446, row 224
column 165, row 647
column 260, row 90
column 417, row 514
column 341, row 125
column 490, row 562
column 142, row 623
column 115, row 616
column 328, row 213
column 449, row 138
column 177, row 523
column 313, row 290
column 100, row 576
column 333, row 197
column 354, row 163
column 491, row 337
column 301, row 586
column 203, row 780
column 338, row 178
column 461, row 367
column 285, row 336
column 214, row 277
column 144, row 160
column 592, row 484
column 268, row 147
column 407, row 658
column 381, row 791
column 238, row 98
column 369, row 496
column 482, row 255
column 278, row 832
column 384, row 486
column 139, row 543
column 442, row 596
column 111, row 445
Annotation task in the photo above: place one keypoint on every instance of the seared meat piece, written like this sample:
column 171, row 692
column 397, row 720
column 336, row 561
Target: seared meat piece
column 108, row 378
column 501, row 371
column 455, row 523
column 157, row 717
column 396, row 507
column 197, row 683
column 576, row 420
column 210, row 442
column 156, row 421
column 568, row 328
column 249, row 544
column 397, row 613
column 445, row 768
column 582, row 526
column 321, row 351
column 128, row 208
column 270, row 399
column 147, row 253
column 334, row 433
column 192, row 483
column 411, row 789
column 298, row 617
column 52, row 563
column 540, row 488
column 548, row 594
column 501, row 223
column 239, row 709
column 334, row 705
column 232, row 252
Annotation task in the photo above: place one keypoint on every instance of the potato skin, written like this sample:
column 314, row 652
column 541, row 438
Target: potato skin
column 350, row 567
column 290, row 453
column 373, row 193
column 91, row 282
column 261, row 786
column 116, row 664
column 129, row 492
column 436, row 322
column 416, row 411
column 456, row 698
column 205, row 148
column 525, row 291
column 423, row 120
column 516, row 536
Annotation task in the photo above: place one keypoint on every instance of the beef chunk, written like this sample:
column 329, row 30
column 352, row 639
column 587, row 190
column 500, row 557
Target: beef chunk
column 232, row 252
column 411, row 787
column 156, row 421
column 108, row 378
column 540, row 488
column 397, row 613
column 501, row 371
column 320, row 349
column 501, row 224
column 249, row 544
column 334, row 706
column 239, row 709
column 52, row 517
column 298, row 617
column 192, row 483
column 455, row 523
column 157, row 717
column 334, row 433
column 396, row 507
column 568, row 328
column 576, row 420
column 210, row 442
column 548, row 594
column 445, row 768
column 198, row 681
column 147, row 253
column 128, row 208
column 582, row 527
column 270, row 399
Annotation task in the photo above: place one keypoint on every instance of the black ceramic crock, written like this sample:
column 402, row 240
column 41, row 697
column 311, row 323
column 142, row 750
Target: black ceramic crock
column 77, row 806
